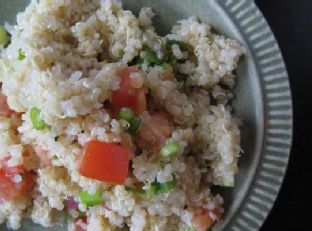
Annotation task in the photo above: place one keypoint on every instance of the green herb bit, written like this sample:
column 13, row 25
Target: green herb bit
column 152, row 57
column 171, row 149
column 167, row 186
column 4, row 37
column 125, row 113
column 170, row 42
column 134, row 123
column 180, row 77
column 21, row 55
column 91, row 199
column 148, row 194
column 37, row 122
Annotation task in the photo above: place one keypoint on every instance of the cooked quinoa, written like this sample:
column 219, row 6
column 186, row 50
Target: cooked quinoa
column 111, row 125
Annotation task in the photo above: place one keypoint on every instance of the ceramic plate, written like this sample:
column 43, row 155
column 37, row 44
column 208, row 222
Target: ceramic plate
column 263, row 101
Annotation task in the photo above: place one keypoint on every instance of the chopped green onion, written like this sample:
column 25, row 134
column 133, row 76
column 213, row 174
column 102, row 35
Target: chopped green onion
column 91, row 200
column 37, row 122
column 171, row 149
column 183, row 46
column 155, row 189
column 166, row 187
column 180, row 77
column 21, row 55
column 128, row 115
column 125, row 113
column 228, row 181
column 148, row 194
column 55, row 157
column 152, row 57
column 134, row 123
column 23, row 176
column 4, row 37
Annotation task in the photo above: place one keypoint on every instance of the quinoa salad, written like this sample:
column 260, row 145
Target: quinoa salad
column 106, row 125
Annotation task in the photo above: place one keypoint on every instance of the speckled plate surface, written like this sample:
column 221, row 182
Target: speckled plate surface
column 263, row 101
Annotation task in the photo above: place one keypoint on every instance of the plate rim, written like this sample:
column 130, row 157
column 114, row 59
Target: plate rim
column 272, row 75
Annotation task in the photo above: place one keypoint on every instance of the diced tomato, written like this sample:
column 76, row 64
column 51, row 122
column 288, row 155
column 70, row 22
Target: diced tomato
column 45, row 159
column 106, row 162
column 154, row 132
column 78, row 222
column 4, row 107
column 127, row 95
column 11, row 171
column 203, row 218
column 10, row 190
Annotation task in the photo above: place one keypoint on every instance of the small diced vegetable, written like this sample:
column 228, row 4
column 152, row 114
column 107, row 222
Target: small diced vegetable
column 202, row 219
column 43, row 154
column 134, row 123
column 228, row 181
column 148, row 194
column 80, row 223
column 171, row 149
column 21, row 55
column 125, row 113
column 91, row 200
column 152, row 57
column 166, row 187
column 4, row 37
column 183, row 46
column 127, row 95
column 155, row 189
column 154, row 132
column 71, row 204
column 191, row 229
column 37, row 122
column 107, row 162
column 10, row 189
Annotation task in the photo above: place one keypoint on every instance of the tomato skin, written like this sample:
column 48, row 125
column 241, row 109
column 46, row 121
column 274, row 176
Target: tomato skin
column 155, row 132
column 127, row 95
column 11, row 171
column 9, row 190
column 107, row 162
column 77, row 226
column 202, row 220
